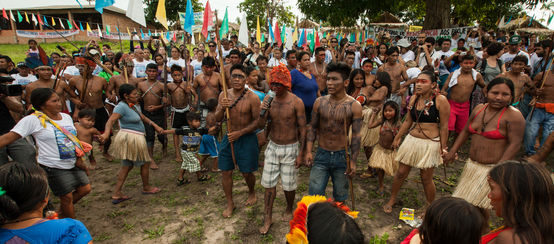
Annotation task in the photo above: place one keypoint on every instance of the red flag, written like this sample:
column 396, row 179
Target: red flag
column 305, row 41
column 40, row 19
column 74, row 24
column 4, row 14
column 277, row 34
column 208, row 19
column 174, row 37
column 317, row 44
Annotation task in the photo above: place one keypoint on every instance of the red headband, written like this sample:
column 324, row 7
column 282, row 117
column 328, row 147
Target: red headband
column 85, row 61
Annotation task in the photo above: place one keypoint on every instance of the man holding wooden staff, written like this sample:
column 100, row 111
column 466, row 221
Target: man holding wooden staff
column 330, row 115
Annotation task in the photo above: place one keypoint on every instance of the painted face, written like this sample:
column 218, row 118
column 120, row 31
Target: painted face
column 467, row 65
column 499, row 96
column 358, row 80
column 335, row 83
column 87, row 122
column 389, row 113
column 278, row 88
column 424, row 84
column 495, row 195
column 367, row 67
column 177, row 76
column 238, row 79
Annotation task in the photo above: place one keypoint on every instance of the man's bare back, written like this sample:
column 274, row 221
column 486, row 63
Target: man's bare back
column 209, row 86
column 288, row 119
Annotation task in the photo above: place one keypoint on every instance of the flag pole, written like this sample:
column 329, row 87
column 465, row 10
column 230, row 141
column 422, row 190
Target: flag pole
column 121, row 49
column 224, row 85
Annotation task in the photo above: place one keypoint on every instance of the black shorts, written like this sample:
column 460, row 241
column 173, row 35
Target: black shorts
column 101, row 119
column 64, row 181
column 178, row 119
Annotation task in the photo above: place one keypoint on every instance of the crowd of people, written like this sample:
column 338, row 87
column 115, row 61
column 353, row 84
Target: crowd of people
column 406, row 103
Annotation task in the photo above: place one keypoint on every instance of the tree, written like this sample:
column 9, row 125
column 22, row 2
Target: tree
column 438, row 13
column 172, row 7
column 276, row 9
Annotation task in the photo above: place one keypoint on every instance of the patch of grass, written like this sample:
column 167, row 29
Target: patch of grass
column 267, row 238
column 199, row 231
column 155, row 233
column 190, row 211
column 117, row 213
column 235, row 237
column 302, row 187
column 127, row 227
column 379, row 239
column 181, row 240
column 102, row 237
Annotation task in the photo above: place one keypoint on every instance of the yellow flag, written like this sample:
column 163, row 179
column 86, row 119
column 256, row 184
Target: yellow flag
column 27, row 18
column 295, row 34
column 53, row 22
column 160, row 13
column 88, row 27
column 258, row 32
column 128, row 32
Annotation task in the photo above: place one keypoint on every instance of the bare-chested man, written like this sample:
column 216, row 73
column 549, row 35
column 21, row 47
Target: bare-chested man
column 181, row 98
column 317, row 68
column 284, row 153
column 543, row 115
column 45, row 81
column 153, row 103
column 244, row 111
column 207, row 85
column 234, row 56
column 117, row 80
column 519, row 78
column 397, row 74
column 329, row 116
column 90, row 90
column 461, row 83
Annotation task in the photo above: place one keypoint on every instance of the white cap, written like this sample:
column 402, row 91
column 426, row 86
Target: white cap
column 403, row 43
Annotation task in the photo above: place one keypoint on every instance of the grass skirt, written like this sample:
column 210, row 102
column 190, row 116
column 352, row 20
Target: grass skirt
column 419, row 153
column 473, row 186
column 383, row 159
column 130, row 145
column 369, row 137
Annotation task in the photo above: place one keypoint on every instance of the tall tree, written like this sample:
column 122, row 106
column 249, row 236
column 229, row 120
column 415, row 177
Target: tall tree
column 275, row 8
column 438, row 13
column 172, row 8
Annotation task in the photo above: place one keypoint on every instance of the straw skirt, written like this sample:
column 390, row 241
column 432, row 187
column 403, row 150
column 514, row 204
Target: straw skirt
column 419, row 153
column 369, row 137
column 130, row 145
column 383, row 158
column 473, row 186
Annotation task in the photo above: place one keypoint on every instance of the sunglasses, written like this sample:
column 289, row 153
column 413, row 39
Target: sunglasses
column 211, row 45
column 334, row 41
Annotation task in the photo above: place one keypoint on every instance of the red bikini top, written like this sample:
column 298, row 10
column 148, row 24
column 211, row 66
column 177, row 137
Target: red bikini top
column 493, row 234
column 495, row 134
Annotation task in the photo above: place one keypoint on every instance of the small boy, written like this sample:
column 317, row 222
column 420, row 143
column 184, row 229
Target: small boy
column 209, row 147
column 192, row 135
column 86, row 131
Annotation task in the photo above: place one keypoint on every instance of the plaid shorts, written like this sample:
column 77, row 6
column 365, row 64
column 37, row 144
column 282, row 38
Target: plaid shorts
column 279, row 160
column 190, row 161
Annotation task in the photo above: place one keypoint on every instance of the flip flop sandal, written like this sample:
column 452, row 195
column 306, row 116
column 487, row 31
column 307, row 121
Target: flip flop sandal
column 182, row 182
column 153, row 191
column 204, row 178
column 120, row 199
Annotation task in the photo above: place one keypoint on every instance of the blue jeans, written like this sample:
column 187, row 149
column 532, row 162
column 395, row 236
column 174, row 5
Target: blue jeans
column 540, row 117
column 329, row 163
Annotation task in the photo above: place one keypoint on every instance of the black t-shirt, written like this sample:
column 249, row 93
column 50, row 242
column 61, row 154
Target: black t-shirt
column 7, row 121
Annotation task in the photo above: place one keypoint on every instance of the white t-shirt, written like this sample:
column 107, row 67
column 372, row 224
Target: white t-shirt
column 534, row 60
column 55, row 150
column 412, row 73
column 409, row 55
column 473, row 42
column 139, row 70
column 197, row 66
column 423, row 61
column 273, row 62
column 170, row 62
column 508, row 57
column 438, row 55
column 20, row 80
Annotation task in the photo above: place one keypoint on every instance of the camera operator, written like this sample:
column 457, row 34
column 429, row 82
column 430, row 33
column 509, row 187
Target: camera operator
column 20, row 150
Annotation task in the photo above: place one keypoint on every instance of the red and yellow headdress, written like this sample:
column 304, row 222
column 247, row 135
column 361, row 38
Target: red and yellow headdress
column 280, row 74
column 85, row 61
column 298, row 229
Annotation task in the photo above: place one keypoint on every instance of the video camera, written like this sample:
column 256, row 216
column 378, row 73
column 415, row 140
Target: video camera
column 9, row 89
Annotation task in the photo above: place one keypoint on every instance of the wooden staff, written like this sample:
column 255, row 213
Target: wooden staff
column 348, row 164
column 224, row 84
column 121, row 49
column 60, row 70
column 545, row 74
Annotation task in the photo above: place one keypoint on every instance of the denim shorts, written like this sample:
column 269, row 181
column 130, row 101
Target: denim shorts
column 329, row 164
column 64, row 181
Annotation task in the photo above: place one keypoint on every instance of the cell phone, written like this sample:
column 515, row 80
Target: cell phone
column 59, row 47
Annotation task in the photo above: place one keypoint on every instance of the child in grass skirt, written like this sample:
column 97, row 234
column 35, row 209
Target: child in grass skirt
column 383, row 154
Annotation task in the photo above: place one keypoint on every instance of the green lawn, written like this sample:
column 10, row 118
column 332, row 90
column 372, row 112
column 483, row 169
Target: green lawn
column 17, row 51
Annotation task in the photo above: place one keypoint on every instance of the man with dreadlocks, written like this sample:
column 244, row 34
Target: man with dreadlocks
column 90, row 89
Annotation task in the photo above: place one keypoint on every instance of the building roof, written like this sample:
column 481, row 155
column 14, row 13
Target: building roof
column 120, row 6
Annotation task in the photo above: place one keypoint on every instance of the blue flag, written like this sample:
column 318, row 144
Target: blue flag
column 168, row 36
column 189, row 18
column 80, row 26
column 149, row 32
column 117, row 29
column 101, row 4
column 141, row 34
column 301, row 40
column 270, row 31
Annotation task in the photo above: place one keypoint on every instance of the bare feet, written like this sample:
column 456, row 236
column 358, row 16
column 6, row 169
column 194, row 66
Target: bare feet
column 287, row 215
column 251, row 200
column 387, row 208
column 108, row 157
column 228, row 211
column 92, row 165
column 178, row 158
column 267, row 224
column 153, row 165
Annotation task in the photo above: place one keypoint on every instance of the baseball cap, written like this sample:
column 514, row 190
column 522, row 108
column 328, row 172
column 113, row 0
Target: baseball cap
column 22, row 65
column 514, row 40
column 403, row 43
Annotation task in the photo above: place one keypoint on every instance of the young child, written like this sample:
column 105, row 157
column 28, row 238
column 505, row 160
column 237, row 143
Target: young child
column 383, row 154
column 192, row 135
column 86, row 131
column 209, row 147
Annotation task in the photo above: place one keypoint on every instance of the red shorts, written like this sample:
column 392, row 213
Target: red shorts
column 459, row 115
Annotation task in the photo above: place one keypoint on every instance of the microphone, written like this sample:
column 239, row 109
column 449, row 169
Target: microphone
column 270, row 95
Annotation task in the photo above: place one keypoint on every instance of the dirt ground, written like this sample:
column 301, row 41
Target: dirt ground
column 192, row 213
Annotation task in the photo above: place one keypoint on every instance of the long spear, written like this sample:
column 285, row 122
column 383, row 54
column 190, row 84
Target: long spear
column 545, row 74
column 348, row 163
column 224, row 84
column 121, row 49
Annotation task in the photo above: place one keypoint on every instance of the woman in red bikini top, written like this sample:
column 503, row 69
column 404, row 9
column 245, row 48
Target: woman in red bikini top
column 496, row 128
column 523, row 195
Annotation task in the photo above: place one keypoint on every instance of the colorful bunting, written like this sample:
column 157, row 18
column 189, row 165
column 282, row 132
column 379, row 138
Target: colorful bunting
column 258, row 31
column 4, row 14
column 27, row 18
column 224, row 26
column 189, row 18
column 208, row 20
